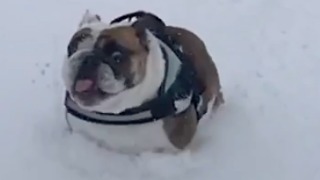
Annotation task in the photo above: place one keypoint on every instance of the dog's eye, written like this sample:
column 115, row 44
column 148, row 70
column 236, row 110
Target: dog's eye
column 117, row 56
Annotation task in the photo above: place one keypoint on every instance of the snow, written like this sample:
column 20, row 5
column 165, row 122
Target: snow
column 268, row 58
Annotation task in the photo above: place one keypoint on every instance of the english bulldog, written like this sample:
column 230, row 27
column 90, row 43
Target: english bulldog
column 138, row 85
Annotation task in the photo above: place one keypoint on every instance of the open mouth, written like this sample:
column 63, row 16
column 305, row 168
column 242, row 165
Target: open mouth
column 88, row 92
column 85, row 86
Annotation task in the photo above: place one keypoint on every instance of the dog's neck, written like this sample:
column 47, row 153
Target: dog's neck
column 146, row 90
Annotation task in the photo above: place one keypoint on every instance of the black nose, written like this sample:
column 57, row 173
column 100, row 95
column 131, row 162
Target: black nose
column 89, row 67
column 90, row 60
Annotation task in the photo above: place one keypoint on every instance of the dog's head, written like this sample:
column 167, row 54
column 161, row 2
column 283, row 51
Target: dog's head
column 104, row 61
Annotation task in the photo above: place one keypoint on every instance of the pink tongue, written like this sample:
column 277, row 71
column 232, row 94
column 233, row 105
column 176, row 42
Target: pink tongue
column 84, row 85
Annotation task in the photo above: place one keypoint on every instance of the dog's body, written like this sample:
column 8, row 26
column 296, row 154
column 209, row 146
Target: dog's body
column 111, row 87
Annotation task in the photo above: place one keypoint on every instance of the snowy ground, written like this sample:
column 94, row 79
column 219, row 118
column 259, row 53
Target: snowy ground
column 268, row 57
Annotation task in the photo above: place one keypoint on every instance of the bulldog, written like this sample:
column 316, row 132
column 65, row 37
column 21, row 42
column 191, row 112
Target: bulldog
column 138, row 85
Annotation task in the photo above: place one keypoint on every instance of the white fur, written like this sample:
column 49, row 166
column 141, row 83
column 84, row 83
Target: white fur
column 88, row 18
column 210, row 108
column 108, row 82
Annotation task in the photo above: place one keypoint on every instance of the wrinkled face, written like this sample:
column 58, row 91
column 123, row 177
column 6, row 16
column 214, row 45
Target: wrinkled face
column 104, row 62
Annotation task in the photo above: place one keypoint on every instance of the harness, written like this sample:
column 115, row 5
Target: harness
column 178, row 91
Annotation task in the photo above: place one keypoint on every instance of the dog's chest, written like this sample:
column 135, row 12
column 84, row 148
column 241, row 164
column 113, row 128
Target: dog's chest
column 126, row 139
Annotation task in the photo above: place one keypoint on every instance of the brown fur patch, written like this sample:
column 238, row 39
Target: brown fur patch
column 205, row 67
column 134, row 67
column 182, row 128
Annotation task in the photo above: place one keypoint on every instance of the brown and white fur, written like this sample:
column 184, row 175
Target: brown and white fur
column 136, row 81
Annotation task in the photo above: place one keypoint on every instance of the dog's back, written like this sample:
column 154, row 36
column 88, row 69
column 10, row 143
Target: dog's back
column 200, row 58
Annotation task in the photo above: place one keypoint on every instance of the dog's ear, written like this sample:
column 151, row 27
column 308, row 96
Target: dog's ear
column 141, row 33
column 89, row 18
column 152, row 22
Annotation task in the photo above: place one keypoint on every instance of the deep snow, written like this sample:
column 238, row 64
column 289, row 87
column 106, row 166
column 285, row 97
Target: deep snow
column 268, row 59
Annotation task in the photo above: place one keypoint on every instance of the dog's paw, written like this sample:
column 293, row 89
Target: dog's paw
column 89, row 18
column 219, row 100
